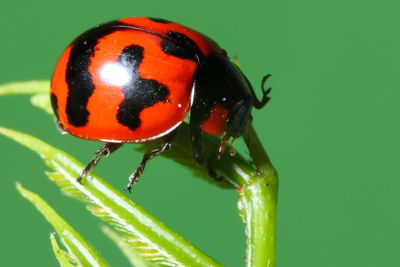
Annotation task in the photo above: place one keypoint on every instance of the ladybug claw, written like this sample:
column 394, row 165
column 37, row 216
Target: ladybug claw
column 129, row 188
column 258, row 104
column 89, row 167
column 80, row 177
column 266, row 92
column 134, row 178
column 264, row 81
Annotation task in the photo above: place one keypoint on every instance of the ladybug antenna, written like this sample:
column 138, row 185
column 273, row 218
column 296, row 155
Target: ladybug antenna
column 222, row 146
column 232, row 151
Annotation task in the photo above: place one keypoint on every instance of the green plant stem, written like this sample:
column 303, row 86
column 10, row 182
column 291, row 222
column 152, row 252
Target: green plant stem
column 257, row 206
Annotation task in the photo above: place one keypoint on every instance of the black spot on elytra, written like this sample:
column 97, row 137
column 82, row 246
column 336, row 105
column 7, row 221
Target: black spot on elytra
column 139, row 93
column 164, row 21
column 54, row 104
column 78, row 77
column 180, row 45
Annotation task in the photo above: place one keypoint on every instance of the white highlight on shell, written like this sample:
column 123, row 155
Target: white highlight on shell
column 115, row 74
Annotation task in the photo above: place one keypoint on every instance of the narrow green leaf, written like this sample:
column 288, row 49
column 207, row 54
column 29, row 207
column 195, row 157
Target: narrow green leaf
column 151, row 238
column 134, row 258
column 81, row 251
column 27, row 87
column 42, row 101
column 60, row 254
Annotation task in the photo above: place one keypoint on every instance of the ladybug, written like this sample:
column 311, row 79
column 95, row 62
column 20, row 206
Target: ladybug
column 134, row 80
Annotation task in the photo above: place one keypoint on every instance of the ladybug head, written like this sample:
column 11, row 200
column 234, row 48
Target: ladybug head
column 220, row 82
column 223, row 100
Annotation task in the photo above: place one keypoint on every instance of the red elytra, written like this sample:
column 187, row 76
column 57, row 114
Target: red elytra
column 103, row 104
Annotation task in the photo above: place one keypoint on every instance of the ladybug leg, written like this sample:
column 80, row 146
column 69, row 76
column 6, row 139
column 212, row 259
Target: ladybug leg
column 166, row 145
column 258, row 104
column 106, row 150
column 198, row 113
column 197, row 143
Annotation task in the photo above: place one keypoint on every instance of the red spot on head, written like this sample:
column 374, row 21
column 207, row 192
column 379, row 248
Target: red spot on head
column 215, row 124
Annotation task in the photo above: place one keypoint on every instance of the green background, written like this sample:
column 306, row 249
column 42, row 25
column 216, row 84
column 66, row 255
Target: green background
column 331, row 129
